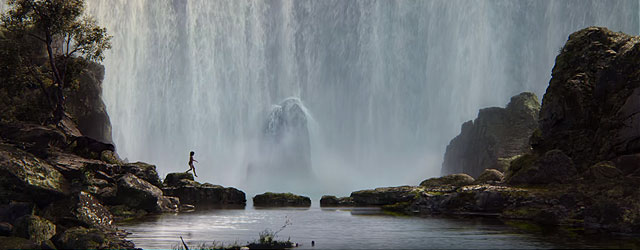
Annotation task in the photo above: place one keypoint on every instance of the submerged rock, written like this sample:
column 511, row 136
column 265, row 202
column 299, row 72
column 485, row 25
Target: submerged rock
column 496, row 135
column 269, row 199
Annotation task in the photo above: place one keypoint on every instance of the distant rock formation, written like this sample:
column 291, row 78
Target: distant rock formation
column 591, row 110
column 284, row 148
column 494, row 138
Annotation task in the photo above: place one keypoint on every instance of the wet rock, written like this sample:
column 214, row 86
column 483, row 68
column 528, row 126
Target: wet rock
column 383, row 196
column 24, row 177
column 269, row 199
column 332, row 201
column 34, row 228
column 489, row 176
column 82, row 209
column 496, row 135
column 138, row 193
column 455, row 180
column 603, row 171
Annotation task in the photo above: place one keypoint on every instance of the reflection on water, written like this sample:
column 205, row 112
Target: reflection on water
column 346, row 228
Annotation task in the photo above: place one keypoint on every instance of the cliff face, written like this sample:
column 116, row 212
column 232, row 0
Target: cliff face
column 591, row 110
column 86, row 107
column 493, row 138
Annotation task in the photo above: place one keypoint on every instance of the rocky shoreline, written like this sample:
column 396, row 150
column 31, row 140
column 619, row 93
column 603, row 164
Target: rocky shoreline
column 580, row 166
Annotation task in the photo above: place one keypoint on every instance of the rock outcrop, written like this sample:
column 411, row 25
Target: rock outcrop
column 494, row 137
column 53, row 181
column 183, row 186
column 269, row 199
column 591, row 109
column 86, row 107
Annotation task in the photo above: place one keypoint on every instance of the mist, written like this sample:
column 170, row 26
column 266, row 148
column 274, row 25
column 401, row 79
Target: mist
column 384, row 84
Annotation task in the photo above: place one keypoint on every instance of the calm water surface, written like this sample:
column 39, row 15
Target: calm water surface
column 357, row 228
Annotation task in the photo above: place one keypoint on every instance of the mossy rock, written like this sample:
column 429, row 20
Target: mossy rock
column 489, row 175
column 269, row 199
column 27, row 178
column 456, row 180
column 399, row 207
column 35, row 228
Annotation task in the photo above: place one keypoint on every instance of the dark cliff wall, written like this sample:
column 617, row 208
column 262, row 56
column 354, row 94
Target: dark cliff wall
column 495, row 136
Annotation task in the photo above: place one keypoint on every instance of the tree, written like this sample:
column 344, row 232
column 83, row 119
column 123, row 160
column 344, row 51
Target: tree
column 66, row 33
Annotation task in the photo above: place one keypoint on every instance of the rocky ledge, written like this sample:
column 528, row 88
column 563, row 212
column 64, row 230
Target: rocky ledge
column 269, row 199
column 183, row 186
column 60, row 189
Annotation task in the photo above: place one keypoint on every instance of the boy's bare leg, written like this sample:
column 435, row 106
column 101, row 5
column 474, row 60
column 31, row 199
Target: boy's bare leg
column 194, row 172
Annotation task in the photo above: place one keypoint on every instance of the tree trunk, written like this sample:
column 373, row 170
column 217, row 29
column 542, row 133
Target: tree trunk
column 58, row 112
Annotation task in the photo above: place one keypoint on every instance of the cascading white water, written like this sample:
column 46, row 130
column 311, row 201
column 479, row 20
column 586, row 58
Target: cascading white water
column 388, row 82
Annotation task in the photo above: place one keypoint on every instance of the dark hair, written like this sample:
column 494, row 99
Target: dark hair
column 192, row 153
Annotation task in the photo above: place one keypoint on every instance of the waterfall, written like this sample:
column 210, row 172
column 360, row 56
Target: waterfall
column 388, row 82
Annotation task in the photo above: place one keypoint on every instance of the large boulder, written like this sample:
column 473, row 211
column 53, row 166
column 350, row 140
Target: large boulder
column 553, row 167
column 89, row 238
column 24, row 177
column 269, row 199
column 489, row 176
column 452, row 180
column 497, row 134
column 591, row 109
column 138, row 193
column 383, row 196
column 82, row 209
column 603, row 171
column 34, row 228
column 143, row 171
column 183, row 187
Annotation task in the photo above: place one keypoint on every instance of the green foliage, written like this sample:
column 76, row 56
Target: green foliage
column 40, row 43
